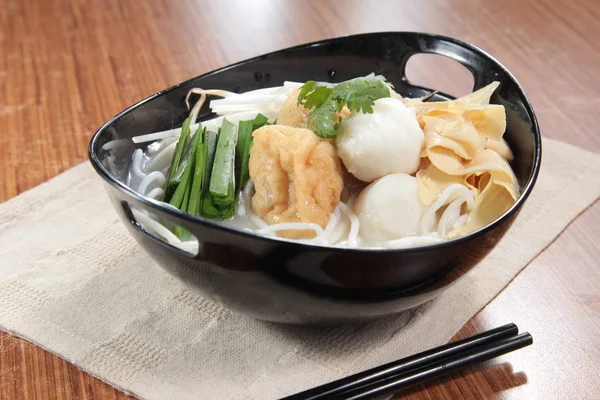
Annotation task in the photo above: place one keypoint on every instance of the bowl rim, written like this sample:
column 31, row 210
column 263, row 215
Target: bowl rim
column 514, row 208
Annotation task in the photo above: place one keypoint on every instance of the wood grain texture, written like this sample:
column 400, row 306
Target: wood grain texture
column 67, row 66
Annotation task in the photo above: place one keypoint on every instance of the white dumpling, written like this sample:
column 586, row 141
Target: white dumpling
column 389, row 209
column 385, row 142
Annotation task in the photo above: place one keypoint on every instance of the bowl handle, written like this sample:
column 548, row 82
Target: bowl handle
column 135, row 213
column 484, row 68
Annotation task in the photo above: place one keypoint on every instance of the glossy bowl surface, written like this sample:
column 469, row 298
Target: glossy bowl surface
column 280, row 280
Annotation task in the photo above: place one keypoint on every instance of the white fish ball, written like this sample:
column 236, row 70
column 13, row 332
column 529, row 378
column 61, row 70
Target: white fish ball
column 385, row 142
column 389, row 209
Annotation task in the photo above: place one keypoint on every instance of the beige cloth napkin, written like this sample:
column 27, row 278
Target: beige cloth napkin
column 74, row 282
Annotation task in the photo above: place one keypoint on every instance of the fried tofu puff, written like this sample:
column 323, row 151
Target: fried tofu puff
column 297, row 178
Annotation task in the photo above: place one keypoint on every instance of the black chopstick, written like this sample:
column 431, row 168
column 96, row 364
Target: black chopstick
column 400, row 369
column 395, row 383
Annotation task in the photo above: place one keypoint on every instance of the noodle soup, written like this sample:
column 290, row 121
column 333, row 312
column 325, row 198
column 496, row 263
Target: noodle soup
column 352, row 164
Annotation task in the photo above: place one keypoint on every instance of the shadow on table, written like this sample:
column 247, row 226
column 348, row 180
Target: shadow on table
column 356, row 344
column 493, row 377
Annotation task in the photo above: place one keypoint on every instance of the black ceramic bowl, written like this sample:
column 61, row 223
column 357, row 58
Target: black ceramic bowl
column 278, row 280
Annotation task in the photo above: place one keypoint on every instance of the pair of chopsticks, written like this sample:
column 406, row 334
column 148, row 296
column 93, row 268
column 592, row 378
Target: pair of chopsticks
column 398, row 375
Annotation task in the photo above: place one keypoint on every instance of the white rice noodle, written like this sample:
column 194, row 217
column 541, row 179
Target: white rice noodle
column 154, row 147
column 352, row 240
column 191, row 246
column 412, row 241
column 161, row 231
column 156, row 194
column 243, row 206
column 342, row 222
column 113, row 144
column 257, row 221
column 460, row 221
column 342, row 230
column 284, row 226
column 240, row 209
column 248, row 191
column 334, row 220
column 136, row 164
column 158, row 146
column 162, row 159
column 152, row 177
column 350, row 201
column 450, row 215
column 453, row 192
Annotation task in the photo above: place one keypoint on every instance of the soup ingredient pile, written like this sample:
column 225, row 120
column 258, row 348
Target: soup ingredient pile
column 348, row 164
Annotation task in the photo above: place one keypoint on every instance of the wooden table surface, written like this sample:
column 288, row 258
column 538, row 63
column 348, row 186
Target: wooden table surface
column 67, row 66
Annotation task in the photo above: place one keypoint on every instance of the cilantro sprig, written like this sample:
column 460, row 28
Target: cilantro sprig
column 325, row 100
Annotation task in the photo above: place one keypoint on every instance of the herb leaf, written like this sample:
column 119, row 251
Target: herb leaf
column 360, row 94
column 321, row 119
column 325, row 101
column 317, row 97
column 308, row 87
